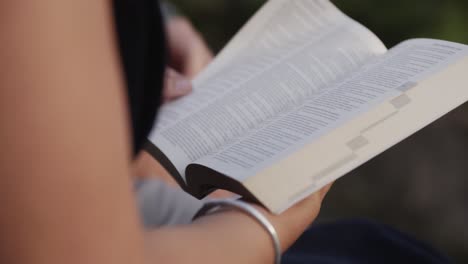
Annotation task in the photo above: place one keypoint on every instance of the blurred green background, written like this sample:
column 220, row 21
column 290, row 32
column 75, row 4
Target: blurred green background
column 420, row 186
column 393, row 21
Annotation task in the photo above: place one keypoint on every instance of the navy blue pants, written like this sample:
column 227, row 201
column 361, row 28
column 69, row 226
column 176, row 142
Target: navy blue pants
column 358, row 241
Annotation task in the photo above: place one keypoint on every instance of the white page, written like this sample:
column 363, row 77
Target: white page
column 254, row 89
column 388, row 77
column 278, row 26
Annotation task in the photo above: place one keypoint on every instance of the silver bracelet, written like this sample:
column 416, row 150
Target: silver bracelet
column 215, row 205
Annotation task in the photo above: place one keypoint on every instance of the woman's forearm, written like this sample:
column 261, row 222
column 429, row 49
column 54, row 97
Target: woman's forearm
column 230, row 237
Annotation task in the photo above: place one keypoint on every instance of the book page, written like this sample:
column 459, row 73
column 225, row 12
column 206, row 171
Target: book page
column 278, row 26
column 387, row 79
column 255, row 89
column 277, row 30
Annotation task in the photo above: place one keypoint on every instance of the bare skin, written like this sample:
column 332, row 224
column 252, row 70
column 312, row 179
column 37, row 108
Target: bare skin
column 65, row 185
column 189, row 53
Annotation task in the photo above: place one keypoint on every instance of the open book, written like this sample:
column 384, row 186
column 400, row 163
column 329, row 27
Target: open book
column 301, row 96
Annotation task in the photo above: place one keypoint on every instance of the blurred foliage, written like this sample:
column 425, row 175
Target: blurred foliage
column 393, row 21
column 218, row 20
column 397, row 20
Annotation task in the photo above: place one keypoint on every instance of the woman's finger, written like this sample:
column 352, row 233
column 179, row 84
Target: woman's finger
column 189, row 53
column 175, row 85
column 199, row 56
column 325, row 189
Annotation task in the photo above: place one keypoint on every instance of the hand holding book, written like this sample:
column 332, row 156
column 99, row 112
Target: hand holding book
column 301, row 96
column 236, row 226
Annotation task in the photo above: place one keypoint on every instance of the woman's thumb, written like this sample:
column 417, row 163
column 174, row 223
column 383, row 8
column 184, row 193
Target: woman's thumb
column 175, row 85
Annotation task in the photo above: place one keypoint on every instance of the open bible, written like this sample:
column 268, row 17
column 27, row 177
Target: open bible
column 300, row 96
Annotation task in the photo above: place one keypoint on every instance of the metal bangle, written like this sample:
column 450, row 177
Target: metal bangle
column 215, row 205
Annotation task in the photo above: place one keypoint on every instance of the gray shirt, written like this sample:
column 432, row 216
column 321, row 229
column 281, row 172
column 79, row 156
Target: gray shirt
column 163, row 205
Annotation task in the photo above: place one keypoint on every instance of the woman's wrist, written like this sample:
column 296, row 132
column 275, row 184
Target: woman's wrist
column 240, row 232
column 250, row 210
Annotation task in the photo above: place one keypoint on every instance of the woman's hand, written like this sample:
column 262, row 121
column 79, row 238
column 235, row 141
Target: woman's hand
column 292, row 223
column 175, row 85
column 233, row 237
column 188, row 52
column 188, row 55
column 245, row 231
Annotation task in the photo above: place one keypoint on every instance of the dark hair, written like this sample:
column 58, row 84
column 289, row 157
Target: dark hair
column 141, row 40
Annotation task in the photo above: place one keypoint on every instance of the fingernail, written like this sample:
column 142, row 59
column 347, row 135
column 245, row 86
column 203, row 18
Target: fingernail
column 183, row 85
